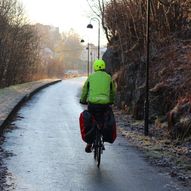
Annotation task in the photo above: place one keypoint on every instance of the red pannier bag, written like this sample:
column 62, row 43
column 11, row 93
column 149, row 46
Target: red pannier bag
column 88, row 131
column 87, row 126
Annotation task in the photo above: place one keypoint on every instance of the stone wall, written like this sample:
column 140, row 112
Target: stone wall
column 169, row 79
column 130, row 83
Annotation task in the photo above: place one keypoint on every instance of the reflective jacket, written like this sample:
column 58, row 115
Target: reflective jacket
column 98, row 89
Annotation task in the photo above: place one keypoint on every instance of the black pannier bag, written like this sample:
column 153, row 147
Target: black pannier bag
column 109, row 129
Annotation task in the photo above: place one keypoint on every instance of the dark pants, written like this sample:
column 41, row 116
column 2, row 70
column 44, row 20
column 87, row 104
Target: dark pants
column 98, row 110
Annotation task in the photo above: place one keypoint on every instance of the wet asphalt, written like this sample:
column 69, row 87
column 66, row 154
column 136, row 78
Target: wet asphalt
column 47, row 153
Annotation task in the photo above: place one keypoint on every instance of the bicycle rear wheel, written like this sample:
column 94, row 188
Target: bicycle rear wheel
column 98, row 148
column 95, row 147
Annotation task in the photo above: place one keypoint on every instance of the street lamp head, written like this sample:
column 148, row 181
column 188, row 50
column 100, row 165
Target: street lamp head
column 90, row 26
column 82, row 40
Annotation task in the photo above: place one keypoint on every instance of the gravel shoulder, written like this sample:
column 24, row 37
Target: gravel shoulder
column 171, row 156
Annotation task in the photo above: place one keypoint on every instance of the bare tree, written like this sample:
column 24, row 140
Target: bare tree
column 124, row 22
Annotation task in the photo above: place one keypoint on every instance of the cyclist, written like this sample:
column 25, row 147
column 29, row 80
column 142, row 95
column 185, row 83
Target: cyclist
column 98, row 91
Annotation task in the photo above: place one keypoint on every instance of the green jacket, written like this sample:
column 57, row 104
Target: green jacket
column 98, row 89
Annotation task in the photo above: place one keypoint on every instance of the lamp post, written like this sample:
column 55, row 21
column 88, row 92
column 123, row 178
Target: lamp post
column 146, row 107
column 91, row 61
column 88, row 64
column 87, row 48
column 91, row 27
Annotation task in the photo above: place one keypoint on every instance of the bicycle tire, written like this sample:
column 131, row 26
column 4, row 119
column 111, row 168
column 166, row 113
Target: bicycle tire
column 95, row 153
column 99, row 149
column 95, row 147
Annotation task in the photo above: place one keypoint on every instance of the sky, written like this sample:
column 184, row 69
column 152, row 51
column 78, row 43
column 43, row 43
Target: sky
column 65, row 14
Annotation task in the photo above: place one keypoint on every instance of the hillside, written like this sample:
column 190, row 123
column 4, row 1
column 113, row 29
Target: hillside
column 170, row 57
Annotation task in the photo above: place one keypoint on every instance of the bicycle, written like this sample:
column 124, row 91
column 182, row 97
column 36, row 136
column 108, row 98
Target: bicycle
column 98, row 144
column 96, row 133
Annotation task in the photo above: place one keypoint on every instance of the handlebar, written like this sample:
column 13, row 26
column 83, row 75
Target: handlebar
column 84, row 103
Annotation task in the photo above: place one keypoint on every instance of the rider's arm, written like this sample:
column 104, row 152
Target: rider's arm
column 84, row 95
column 112, row 92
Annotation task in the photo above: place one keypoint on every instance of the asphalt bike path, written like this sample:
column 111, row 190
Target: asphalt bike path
column 47, row 153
